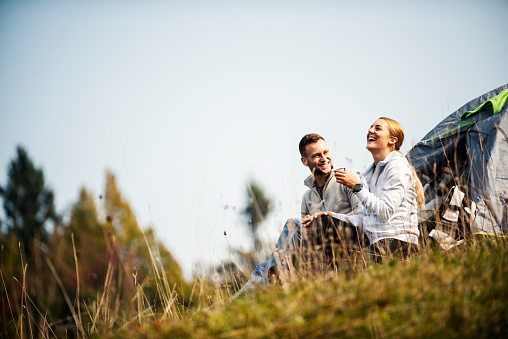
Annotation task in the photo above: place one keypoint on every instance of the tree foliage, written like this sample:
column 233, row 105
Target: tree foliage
column 235, row 272
column 90, row 241
column 135, row 245
column 28, row 202
column 102, row 261
column 258, row 207
column 28, row 205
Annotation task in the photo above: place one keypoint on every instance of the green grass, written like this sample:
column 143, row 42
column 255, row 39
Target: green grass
column 462, row 293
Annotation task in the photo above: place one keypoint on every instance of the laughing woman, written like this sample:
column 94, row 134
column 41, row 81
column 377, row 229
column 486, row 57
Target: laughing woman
column 386, row 223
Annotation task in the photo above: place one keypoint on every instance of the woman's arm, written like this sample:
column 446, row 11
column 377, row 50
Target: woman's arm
column 353, row 219
column 349, row 179
column 346, row 178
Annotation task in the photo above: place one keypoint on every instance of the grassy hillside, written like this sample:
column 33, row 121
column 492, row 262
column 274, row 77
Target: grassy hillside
column 462, row 292
column 459, row 293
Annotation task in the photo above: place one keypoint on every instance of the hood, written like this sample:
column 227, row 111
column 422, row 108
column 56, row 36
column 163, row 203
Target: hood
column 310, row 182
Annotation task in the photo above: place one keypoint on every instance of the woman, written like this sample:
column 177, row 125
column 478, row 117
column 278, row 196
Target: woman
column 389, row 193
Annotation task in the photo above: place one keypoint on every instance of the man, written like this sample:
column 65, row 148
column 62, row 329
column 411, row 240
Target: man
column 324, row 194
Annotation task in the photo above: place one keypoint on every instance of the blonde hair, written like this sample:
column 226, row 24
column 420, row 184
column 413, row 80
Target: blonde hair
column 396, row 130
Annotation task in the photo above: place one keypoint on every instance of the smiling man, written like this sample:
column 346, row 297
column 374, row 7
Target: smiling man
column 324, row 193
column 297, row 239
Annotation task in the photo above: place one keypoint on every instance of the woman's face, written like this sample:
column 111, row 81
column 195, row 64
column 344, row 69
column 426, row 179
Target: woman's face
column 379, row 138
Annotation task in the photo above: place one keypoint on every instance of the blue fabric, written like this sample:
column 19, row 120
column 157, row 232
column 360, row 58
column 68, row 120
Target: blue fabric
column 289, row 243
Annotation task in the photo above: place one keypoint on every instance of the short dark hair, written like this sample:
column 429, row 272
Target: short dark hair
column 307, row 140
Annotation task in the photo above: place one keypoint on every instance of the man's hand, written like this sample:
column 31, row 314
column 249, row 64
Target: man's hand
column 346, row 178
column 308, row 219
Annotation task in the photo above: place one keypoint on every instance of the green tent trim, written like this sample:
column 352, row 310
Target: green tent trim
column 456, row 128
column 490, row 234
column 495, row 104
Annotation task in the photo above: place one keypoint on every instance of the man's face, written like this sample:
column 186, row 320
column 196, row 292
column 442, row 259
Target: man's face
column 318, row 158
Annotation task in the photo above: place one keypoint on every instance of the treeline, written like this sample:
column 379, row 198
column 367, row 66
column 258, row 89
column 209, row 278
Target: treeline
column 97, row 268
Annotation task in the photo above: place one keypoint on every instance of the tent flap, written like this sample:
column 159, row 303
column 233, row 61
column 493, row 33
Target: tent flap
column 494, row 104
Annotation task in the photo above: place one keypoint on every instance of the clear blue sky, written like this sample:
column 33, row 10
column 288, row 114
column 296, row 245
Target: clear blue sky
column 187, row 100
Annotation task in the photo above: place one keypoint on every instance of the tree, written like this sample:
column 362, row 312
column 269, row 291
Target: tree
column 84, row 218
column 121, row 221
column 258, row 207
column 29, row 205
column 90, row 242
column 28, row 202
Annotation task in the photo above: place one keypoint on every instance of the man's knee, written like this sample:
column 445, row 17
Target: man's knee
column 293, row 222
column 292, row 226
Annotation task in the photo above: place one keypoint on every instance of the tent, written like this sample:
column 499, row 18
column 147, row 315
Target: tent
column 463, row 166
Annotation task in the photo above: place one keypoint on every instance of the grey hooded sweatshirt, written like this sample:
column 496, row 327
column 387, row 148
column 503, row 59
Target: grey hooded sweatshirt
column 336, row 197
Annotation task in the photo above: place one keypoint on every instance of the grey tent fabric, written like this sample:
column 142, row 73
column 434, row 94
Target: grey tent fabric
column 470, row 156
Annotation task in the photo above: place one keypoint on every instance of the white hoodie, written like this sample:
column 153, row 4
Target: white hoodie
column 388, row 207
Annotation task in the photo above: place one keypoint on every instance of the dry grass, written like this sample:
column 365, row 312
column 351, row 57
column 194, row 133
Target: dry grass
column 459, row 293
column 462, row 293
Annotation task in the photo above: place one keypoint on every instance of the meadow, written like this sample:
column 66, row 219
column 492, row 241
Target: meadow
column 462, row 292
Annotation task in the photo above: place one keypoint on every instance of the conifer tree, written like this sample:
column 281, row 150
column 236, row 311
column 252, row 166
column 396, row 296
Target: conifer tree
column 90, row 241
column 28, row 202
column 28, row 205
column 122, row 223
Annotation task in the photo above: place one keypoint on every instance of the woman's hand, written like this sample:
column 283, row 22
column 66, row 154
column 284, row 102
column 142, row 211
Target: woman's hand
column 346, row 178
column 317, row 215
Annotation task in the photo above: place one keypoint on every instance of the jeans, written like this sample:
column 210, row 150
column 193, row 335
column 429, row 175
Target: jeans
column 288, row 246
